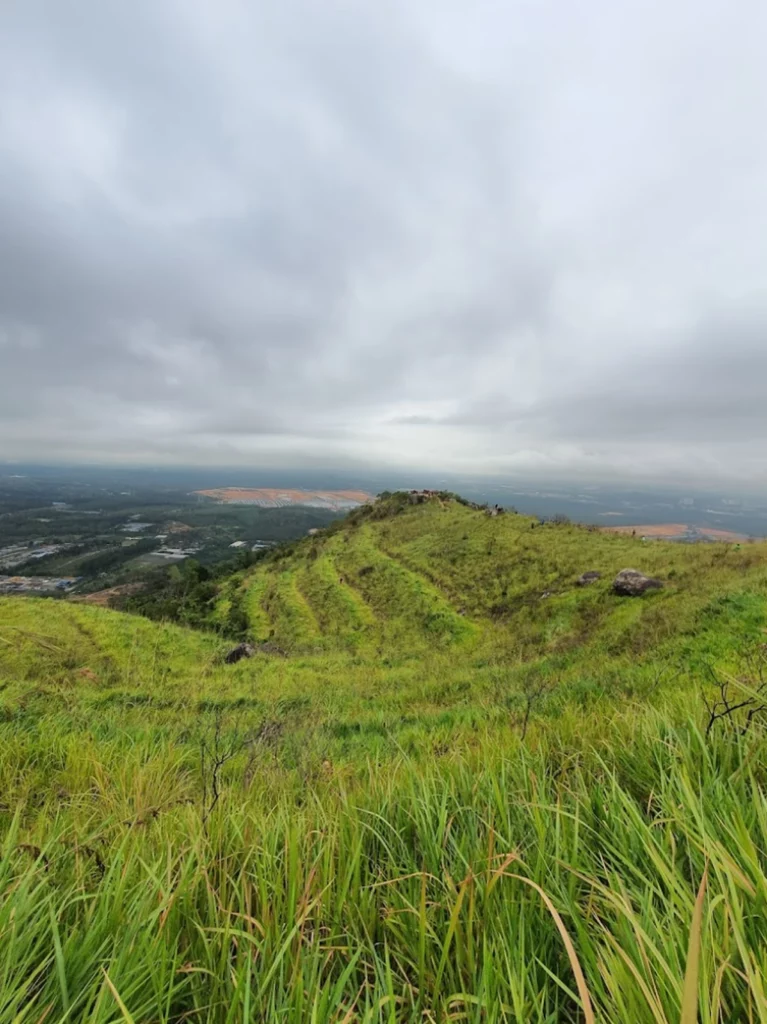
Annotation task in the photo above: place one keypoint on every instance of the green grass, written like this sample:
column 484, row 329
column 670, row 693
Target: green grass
column 252, row 598
column 340, row 611
column 385, row 845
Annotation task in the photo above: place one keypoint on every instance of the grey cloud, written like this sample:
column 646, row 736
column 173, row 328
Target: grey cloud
column 710, row 387
column 491, row 237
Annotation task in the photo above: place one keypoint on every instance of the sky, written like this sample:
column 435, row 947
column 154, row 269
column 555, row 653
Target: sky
column 524, row 237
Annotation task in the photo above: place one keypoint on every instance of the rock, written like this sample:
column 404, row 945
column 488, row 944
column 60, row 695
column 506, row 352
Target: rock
column 239, row 652
column 418, row 497
column 588, row 577
column 632, row 583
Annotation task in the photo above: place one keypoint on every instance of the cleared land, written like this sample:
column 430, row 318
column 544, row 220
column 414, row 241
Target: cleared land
column 678, row 531
column 103, row 598
column 274, row 497
column 455, row 786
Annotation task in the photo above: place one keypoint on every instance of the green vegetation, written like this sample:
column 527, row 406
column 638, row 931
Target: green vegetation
column 436, row 794
column 85, row 525
column 196, row 595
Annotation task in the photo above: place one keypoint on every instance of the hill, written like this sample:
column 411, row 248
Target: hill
column 450, row 784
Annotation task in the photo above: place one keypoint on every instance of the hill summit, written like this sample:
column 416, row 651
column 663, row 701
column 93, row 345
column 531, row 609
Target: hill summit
column 416, row 573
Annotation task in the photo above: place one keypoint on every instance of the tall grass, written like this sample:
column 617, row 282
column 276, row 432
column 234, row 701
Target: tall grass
column 532, row 885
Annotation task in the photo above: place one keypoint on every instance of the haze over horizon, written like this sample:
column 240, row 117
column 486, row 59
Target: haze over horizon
column 523, row 238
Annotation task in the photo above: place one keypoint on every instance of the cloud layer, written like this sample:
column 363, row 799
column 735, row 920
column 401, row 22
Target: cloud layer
column 508, row 237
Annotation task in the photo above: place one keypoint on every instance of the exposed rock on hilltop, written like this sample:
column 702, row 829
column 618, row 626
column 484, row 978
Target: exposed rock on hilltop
column 632, row 583
column 239, row 652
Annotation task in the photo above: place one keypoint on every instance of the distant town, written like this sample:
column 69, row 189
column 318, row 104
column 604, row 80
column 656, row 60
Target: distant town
column 72, row 536
column 37, row 584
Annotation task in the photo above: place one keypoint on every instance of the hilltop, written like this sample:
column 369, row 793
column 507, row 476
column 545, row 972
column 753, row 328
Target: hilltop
column 402, row 581
column 454, row 780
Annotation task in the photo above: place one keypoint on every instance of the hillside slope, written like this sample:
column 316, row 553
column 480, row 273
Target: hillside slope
column 365, row 820
column 439, row 610
column 406, row 582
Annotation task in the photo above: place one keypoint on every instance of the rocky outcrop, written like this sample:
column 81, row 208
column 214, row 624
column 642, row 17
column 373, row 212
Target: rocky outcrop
column 239, row 652
column 418, row 497
column 588, row 578
column 632, row 583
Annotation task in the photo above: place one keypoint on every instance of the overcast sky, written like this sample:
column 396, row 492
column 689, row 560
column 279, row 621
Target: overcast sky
column 524, row 236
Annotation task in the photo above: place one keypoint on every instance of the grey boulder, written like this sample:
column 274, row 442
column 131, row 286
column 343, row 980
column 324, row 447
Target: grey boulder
column 632, row 583
column 239, row 652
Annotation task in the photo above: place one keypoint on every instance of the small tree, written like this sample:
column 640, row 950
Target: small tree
column 534, row 691
column 216, row 750
column 739, row 702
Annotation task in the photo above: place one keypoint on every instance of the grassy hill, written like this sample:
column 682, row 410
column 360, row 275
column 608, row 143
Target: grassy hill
column 454, row 785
